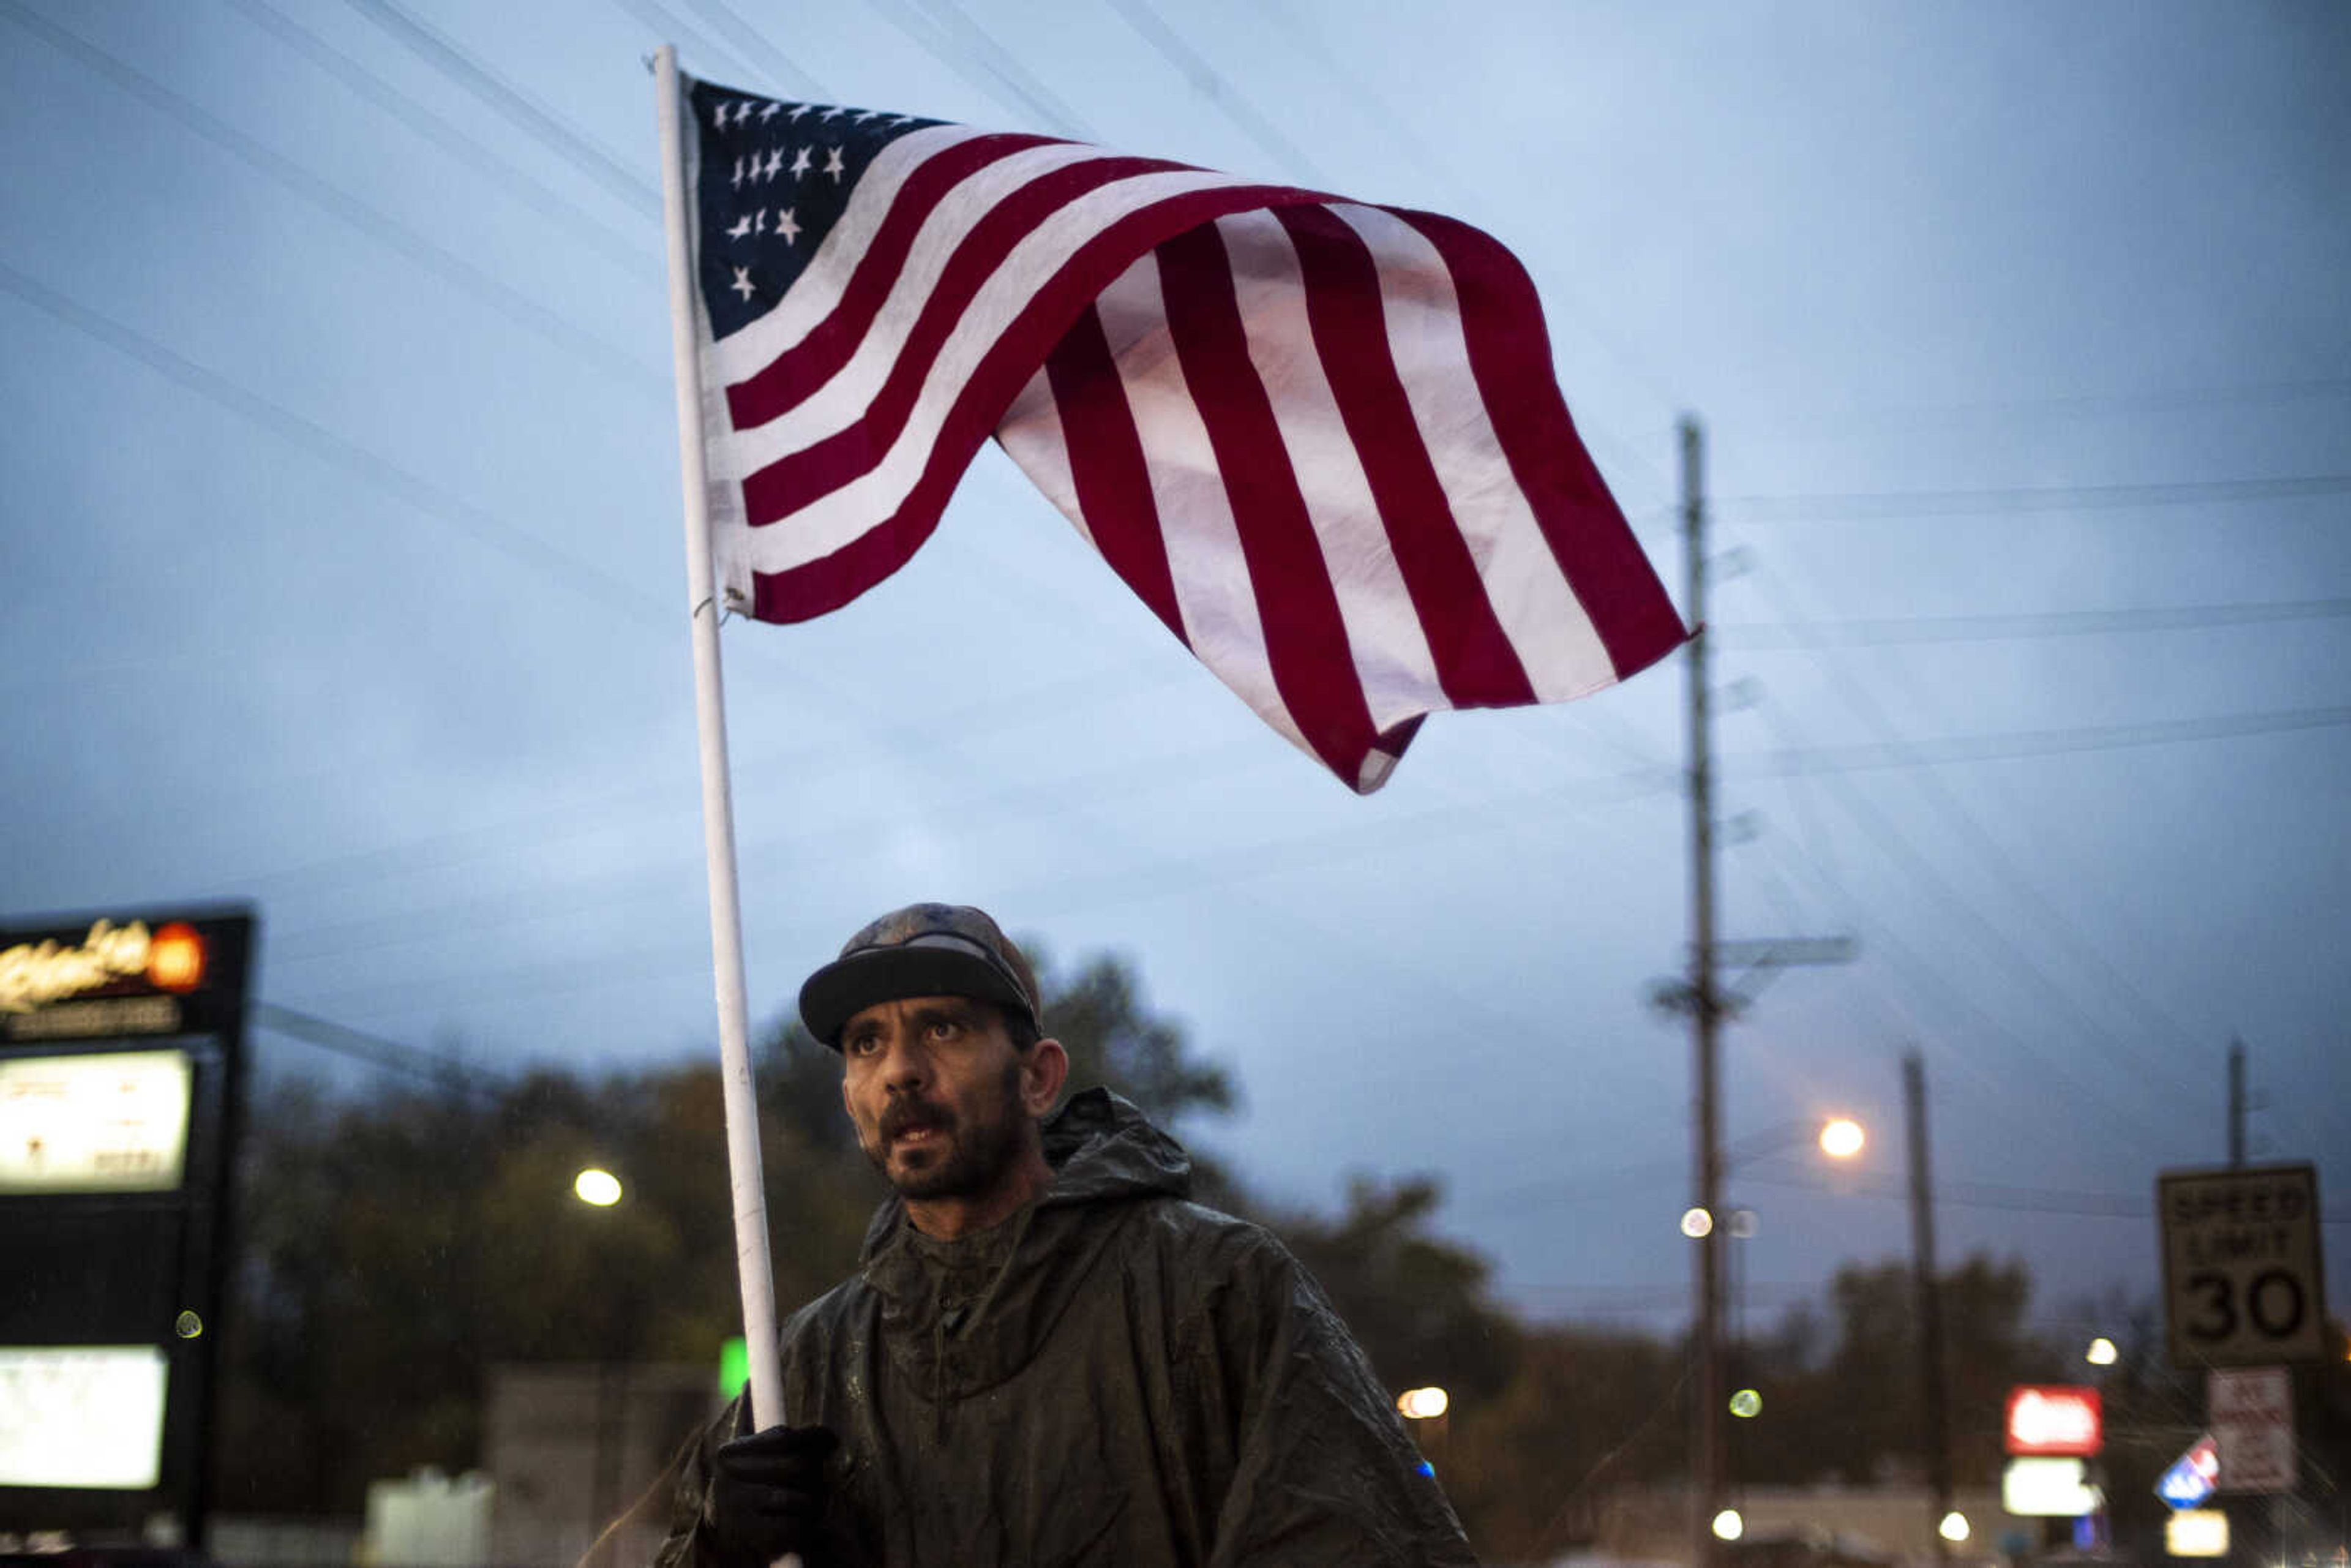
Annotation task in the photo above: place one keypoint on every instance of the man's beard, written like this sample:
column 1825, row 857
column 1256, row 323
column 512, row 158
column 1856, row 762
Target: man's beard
column 969, row 1158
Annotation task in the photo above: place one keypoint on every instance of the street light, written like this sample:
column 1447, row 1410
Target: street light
column 1840, row 1138
column 2102, row 1352
column 1427, row 1404
column 597, row 1187
column 1422, row 1404
column 1729, row 1525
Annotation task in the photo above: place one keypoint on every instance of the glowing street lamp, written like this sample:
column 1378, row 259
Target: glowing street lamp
column 2102, row 1352
column 597, row 1187
column 1954, row 1527
column 1842, row 1137
column 1422, row 1404
column 1729, row 1525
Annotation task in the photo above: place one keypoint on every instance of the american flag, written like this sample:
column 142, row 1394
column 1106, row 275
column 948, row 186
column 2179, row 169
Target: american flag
column 1321, row 440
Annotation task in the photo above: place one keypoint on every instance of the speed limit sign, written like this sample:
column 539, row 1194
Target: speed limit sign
column 2242, row 1284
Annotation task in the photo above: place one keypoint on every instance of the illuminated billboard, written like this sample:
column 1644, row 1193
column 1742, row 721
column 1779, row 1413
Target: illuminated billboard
column 81, row 1415
column 98, row 1121
column 122, row 1043
column 2060, row 1420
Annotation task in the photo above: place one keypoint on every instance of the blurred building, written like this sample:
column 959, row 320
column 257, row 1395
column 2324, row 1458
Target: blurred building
column 572, row 1447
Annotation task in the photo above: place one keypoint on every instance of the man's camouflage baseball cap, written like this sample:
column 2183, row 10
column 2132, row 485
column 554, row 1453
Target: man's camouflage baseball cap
column 922, row 950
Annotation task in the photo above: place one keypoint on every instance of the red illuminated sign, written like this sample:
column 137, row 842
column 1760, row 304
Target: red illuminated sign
column 2062, row 1420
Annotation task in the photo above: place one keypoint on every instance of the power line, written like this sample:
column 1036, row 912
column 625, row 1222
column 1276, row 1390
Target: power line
column 1897, row 504
column 1925, row 875
column 1211, row 84
column 748, row 40
column 1004, row 73
column 432, row 1066
column 1999, row 1195
column 575, row 147
column 2017, row 410
column 516, row 307
column 1808, row 760
column 541, row 198
column 1807, row 634
column 1989, row 851
column 485, row 528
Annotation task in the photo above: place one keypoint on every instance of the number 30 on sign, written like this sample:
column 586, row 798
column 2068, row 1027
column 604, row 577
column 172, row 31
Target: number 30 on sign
column 2243, row 1280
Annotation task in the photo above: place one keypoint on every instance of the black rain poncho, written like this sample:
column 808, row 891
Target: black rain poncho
column 1113, row 1375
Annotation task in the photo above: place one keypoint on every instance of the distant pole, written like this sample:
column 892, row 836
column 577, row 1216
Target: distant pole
column 1935, row 1440
column 2236, row 1103
column 1707, row 1465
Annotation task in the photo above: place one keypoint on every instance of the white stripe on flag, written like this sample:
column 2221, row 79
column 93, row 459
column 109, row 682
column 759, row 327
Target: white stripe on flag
column 1213, row 589
column 1030, row 432
column 828, row 522
column 1532, row 599
column 1393, row 663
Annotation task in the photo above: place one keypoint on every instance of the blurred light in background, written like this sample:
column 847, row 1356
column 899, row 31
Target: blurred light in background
column 1841, row 1138
column 1747, row 1404
column 1696, row 1224
column 600, row 1187
column 1954, row 1527
column 2101, row 1352
column 1422, row 1404
column 1729, row 1526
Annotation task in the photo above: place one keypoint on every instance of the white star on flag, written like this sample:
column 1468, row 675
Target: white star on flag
column 833, row 165
column 742, row 284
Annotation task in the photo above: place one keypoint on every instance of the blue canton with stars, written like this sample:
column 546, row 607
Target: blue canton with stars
column 775, row 177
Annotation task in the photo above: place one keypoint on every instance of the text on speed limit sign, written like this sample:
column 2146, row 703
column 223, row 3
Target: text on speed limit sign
column 2242, row 1284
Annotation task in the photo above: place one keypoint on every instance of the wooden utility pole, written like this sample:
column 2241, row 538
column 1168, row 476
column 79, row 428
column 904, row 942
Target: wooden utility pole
column 1935, row 1439
column 2236, row 1103
column 1707, row 1441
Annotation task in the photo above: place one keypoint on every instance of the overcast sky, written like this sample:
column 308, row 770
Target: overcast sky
column 344, row 575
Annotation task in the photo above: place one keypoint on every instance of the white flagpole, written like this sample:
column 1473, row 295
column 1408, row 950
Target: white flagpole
column 717, row 804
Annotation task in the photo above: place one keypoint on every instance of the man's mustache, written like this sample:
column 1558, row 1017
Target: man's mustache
column 904, row 1115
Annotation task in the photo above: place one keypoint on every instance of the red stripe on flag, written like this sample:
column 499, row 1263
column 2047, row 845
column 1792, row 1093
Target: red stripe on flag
column 1305, row 638
column 1476, row 665
column 826, row 584
column 1106, row 465
column 1509, row 354
column 788, row 484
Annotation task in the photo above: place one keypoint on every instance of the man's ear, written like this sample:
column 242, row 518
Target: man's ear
column 1044, row 1069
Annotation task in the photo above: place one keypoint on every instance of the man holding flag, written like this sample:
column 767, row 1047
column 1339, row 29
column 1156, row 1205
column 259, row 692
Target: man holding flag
column 1321, row 441
column 1048, row 1356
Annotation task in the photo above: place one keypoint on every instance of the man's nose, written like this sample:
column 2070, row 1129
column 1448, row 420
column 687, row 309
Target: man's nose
column 904, row 1065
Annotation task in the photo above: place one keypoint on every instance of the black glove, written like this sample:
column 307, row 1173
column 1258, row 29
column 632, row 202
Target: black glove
column 767, row 1494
